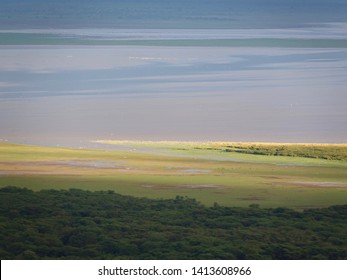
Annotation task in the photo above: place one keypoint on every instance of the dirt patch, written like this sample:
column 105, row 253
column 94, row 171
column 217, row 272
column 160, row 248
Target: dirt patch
column 98, row 164
column 271, row 177
column 252, row 198
column 193, row 171
column 200, row 186
column 320, row 184
column 60, row 167
column 29, row 172
column 185, row 187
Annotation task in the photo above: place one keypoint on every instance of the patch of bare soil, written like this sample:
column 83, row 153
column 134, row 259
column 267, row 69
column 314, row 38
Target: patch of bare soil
column 201, row 186
column 193, row 171
column 252, row 198
column 320, row 184
column 271, row 177
column 185, row 187
column 98, row 164
column 53, row 167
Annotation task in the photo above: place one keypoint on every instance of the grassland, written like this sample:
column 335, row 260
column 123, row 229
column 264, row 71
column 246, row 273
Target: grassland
column 229, row 174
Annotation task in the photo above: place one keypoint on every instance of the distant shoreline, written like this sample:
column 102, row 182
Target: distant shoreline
column 110, row 143
column 115, row 142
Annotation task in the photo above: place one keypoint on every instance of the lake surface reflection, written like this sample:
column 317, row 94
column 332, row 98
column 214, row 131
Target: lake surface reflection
column 69, row 95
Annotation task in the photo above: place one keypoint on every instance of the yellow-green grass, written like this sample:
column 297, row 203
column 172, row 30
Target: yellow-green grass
column 163, row 172
column 280, row 153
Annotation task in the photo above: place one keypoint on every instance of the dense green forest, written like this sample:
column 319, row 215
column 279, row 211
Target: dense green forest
column 76, row 224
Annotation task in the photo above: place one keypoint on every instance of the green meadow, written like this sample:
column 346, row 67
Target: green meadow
column 297, row 176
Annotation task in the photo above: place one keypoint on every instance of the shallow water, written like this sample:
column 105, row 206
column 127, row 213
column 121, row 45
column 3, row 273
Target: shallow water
column 244, row 70
column 68, row 95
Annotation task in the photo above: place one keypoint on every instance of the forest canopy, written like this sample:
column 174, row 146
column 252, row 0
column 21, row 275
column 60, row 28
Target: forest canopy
column 77, row 224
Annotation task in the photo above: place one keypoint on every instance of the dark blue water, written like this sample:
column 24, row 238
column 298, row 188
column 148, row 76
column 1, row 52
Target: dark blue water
column 169, row 14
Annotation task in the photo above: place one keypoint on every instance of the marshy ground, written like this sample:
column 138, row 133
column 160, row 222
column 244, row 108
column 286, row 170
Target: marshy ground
column 232, row 174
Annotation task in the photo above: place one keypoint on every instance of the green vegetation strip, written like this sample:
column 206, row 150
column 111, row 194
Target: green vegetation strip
column 321, row 151
column 277, row 153
column 76, row 224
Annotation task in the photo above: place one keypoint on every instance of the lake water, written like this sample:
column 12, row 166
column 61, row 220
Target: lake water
column 195, row 14
column 279, row 81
